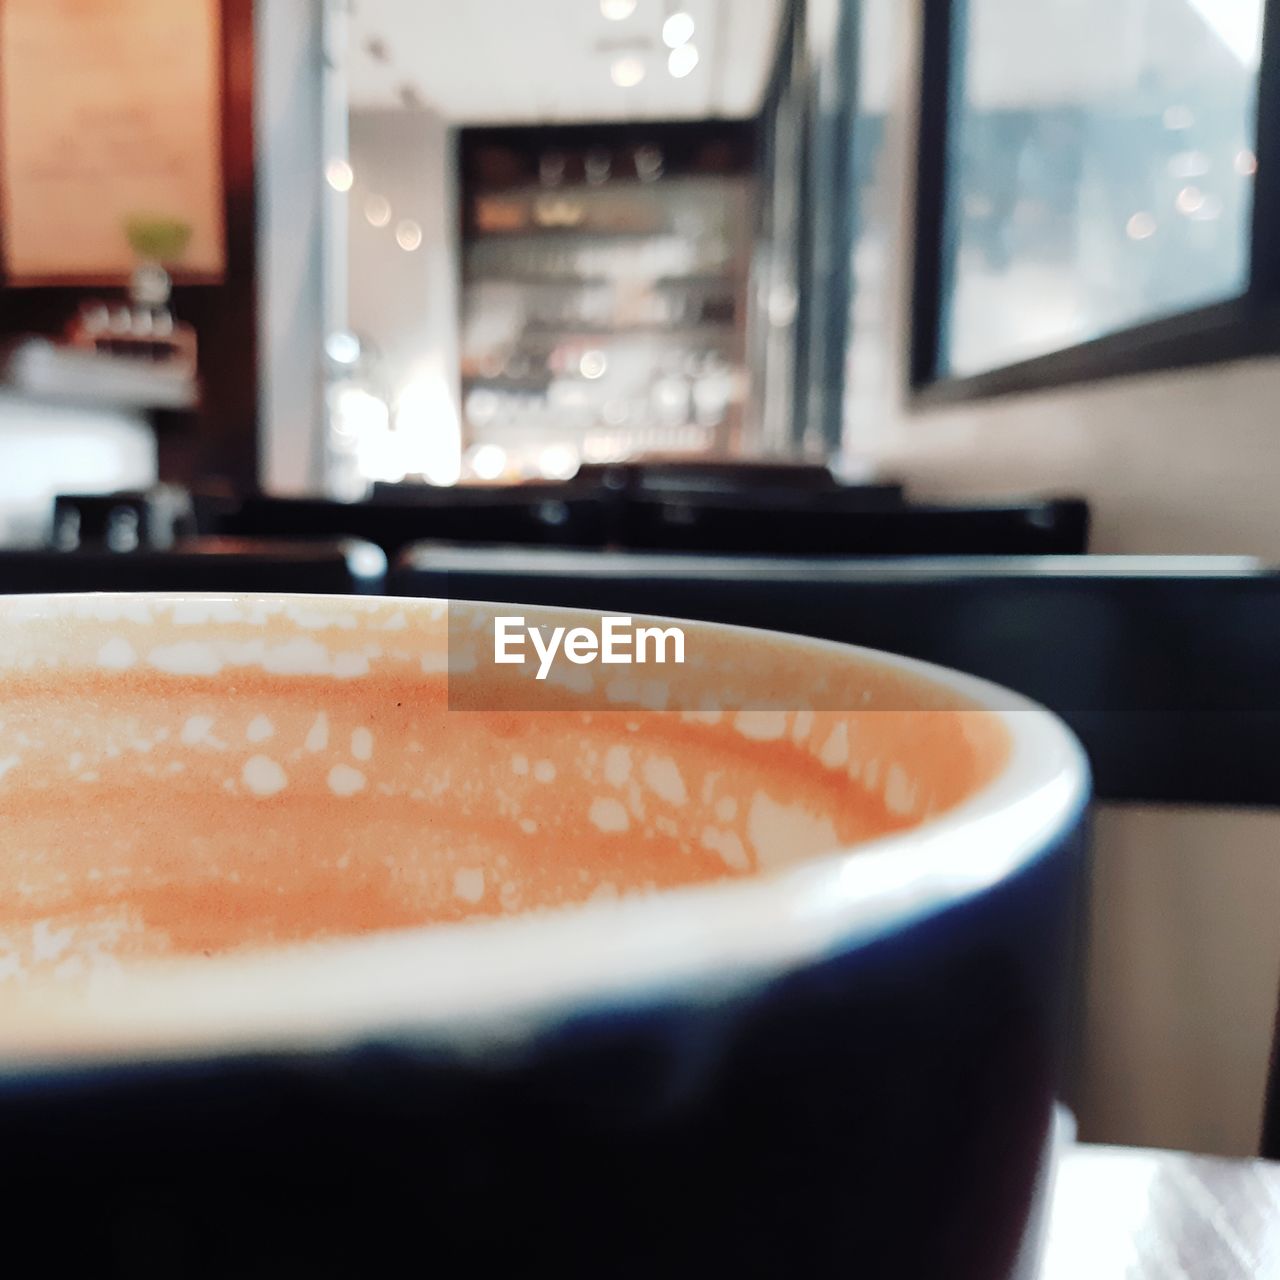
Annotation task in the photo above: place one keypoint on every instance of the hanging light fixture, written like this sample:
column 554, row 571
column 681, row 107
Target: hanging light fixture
column 677, row 29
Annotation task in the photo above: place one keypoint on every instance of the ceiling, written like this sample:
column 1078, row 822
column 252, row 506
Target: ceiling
column 521, row 61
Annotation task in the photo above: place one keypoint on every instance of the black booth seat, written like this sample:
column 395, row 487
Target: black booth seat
column 742, row 478
column 835, row 524
column 685, row 475
column 344, row 567
column 853, row 520
column 541, row 515
column 1165, row 667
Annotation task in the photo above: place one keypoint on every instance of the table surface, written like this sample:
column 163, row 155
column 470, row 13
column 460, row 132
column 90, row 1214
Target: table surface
column 1124, row 1214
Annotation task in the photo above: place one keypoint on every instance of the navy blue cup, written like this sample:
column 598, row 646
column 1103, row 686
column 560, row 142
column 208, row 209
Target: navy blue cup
column 795, row 1061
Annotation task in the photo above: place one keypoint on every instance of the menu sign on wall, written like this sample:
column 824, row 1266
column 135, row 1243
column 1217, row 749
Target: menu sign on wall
column 110, row 117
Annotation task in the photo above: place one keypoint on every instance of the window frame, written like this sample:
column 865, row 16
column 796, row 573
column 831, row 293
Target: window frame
column 1237, row 328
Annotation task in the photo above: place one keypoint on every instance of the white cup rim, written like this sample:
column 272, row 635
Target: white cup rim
column 488, row 986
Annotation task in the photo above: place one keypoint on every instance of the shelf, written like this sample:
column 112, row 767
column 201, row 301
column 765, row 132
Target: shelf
column 653, row 330
column 534, row 280
column 587, row 234
column 67, row 375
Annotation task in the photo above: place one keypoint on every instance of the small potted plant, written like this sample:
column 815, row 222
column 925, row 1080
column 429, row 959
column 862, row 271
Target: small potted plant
column 144, row 328
column 158, row 242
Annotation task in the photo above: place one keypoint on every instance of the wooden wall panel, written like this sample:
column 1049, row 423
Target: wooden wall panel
column 219, row 441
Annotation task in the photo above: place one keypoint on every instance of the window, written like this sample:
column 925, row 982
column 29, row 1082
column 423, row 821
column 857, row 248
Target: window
column 1097, row 174
column 875, row 222
column 823, row 347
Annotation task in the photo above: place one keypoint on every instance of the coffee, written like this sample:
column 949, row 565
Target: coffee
column 196, row 778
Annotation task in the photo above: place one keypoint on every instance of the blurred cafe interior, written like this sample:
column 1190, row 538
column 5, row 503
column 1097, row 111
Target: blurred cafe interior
column 950, row 329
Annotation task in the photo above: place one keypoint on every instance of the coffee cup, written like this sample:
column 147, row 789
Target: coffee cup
column 332, row 939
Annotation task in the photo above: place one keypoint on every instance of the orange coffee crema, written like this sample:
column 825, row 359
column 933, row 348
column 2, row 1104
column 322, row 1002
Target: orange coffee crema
column 155, row 800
